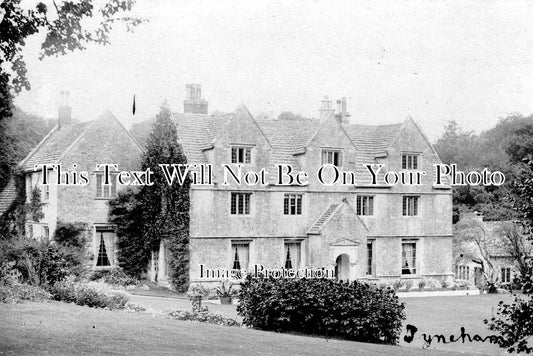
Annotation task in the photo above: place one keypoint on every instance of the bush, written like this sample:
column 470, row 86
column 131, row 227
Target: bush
column 12, row 291
column 41, row 263
column 353, row 311
column 204, row 317
column 71, row 292
column 117, row 277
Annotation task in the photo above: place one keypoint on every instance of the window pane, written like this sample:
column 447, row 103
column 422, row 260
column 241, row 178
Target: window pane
column 99, row 178
column 234, row 203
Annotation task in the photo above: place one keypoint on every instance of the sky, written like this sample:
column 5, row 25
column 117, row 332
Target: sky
column 435, row 61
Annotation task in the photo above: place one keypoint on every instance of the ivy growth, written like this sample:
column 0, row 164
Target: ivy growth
column 146, row 216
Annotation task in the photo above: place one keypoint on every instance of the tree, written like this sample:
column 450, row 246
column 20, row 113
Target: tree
column 18, row 135
column 473, row 243
column 516, row 245
column 65, row 31
column 157, row 212
column 514, row 322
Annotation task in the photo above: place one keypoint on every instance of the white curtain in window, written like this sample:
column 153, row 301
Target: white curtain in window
column 242, row 253
column 109, row 242
column 408, row 262
column 293, row 251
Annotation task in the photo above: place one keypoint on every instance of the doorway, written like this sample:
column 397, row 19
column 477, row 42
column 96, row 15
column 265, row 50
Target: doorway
column 342, row 268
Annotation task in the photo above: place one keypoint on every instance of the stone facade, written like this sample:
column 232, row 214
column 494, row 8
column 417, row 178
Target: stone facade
column 328, row 231
column 101, row 141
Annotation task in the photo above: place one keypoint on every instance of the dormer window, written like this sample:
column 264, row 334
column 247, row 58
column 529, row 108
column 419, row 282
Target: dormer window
column 409, row 161
column 332, row 157
column 241, row 154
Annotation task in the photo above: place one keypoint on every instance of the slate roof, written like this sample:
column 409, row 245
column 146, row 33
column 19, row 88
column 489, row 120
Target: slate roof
column 287, row 137
column 373, row 139
column 7, row 196
column 196, row 132
column 55, row 144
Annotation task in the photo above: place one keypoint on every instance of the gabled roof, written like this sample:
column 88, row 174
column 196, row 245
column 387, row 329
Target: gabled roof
column 55, row 144
column 287, row 137
column 323, row 219
column 197, row 132
column 326, row 216
column 373, row 139
column 7, row 196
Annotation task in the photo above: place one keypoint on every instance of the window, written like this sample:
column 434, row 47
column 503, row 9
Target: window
column 505, row 274
column 408, row 257
column 370, row 258
column 462, row 272
column 365, row 205
column 409, row 161
column 106, row 190
column 241, row 155
column 331, row 157
column 292, row 204
column 105, row 245
column 293, row 255
column 410, row 206
column 240, row 255
column 240, row 203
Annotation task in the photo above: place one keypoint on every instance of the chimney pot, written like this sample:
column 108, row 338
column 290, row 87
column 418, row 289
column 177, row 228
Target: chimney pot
column 194, row 103
column 64, row 116
column 344, row 106
column 326, row 107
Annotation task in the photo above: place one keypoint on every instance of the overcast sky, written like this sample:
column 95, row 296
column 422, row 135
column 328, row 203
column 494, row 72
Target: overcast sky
column 437, row 61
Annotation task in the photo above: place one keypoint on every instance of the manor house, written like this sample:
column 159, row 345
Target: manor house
column 378, row 233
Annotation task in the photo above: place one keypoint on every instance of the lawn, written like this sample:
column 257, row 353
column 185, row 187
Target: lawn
column 59, row 328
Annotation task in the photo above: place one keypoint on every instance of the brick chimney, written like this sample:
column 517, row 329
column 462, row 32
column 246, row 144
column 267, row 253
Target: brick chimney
column 326, row 107
column 194, row 104
column 342, row 115
column 64, row 116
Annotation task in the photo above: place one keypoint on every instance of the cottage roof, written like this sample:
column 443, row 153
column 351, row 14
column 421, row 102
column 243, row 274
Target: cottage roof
column 7, row 196
column 60, row 140
column 55, row 144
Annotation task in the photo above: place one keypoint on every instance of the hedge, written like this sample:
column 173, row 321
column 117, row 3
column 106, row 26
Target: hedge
column 353, row 311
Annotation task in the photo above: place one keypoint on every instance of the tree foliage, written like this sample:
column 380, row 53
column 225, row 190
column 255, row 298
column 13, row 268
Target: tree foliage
column 514, row 321
column 500, row 148
column 156, row 212
column 65, row 31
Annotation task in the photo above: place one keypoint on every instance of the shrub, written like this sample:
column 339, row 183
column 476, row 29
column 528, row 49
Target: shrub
column 12, row 291
column 117, row 277
column 353, row 311
column 204, row 317
column 71, row 292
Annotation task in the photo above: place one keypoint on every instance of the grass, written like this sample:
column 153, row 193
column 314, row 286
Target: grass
column 65, row 329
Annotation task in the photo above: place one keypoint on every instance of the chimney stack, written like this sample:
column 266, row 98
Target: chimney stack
column 64, row 116
column 326, row 108
column 194, row 104
column 342, row 115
